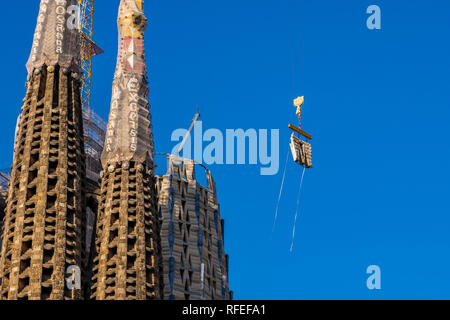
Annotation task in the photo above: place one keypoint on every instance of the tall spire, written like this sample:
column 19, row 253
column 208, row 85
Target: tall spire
column 56, row 35
column 128, row 262
column 129, row 135
column 44, row 218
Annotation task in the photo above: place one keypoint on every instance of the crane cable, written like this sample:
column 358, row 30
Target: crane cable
column 281, row 191
column 294, row 82
column 298, row 205
column 287, row 155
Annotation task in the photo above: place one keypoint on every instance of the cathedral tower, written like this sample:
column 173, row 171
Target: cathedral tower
column 44, row 218
column 128, row 256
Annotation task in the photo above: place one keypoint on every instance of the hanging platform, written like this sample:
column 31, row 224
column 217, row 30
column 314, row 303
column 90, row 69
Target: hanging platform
column 301, row 152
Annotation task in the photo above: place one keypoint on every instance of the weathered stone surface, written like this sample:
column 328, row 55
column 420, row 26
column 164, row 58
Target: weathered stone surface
column 128, row 262
column 192, row 236
column 129, row 133
column 44, row 222
column 55, row 40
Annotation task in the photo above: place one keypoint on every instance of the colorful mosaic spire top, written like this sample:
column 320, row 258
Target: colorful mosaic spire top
column 129, row 135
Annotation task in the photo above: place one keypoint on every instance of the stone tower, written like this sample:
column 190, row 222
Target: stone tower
column 44, row 218
column 192, row 234
column 128, row 262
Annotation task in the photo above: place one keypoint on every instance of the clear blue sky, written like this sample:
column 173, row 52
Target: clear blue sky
column 378, row 106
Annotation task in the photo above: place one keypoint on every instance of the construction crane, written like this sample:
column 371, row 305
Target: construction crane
column 88, row 50
column 196, row 117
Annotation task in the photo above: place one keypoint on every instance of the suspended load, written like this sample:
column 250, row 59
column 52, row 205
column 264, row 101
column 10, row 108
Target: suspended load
column 301, row 149
column 301, row 152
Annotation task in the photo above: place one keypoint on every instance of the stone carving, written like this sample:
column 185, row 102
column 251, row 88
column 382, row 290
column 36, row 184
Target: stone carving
column 192, row 241
column 129, row 133
column 44, row 218
column 128, row 263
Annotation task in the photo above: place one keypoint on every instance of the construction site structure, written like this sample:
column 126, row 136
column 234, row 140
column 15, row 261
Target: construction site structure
column 94, row 126
column 94, row 137
column 128, row 262
column 4, row 181
column 50, row 199
column 88, row 49
column 5, row 176
column 44, row 219
column 192, row 234
column 186, row 275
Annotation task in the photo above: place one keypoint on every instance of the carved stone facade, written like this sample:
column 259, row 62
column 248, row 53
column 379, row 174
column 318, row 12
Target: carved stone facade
column 52, row 206
column 44, row 218
column 192, row 235
column 44, row 221
column 128, row 263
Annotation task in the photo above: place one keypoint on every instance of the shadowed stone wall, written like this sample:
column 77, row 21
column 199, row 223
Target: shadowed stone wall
column 128, row 263
column 44, row 223
column 192, row 235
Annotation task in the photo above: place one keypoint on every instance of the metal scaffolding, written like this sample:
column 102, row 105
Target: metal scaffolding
column 88, row 49
column 94, row 139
